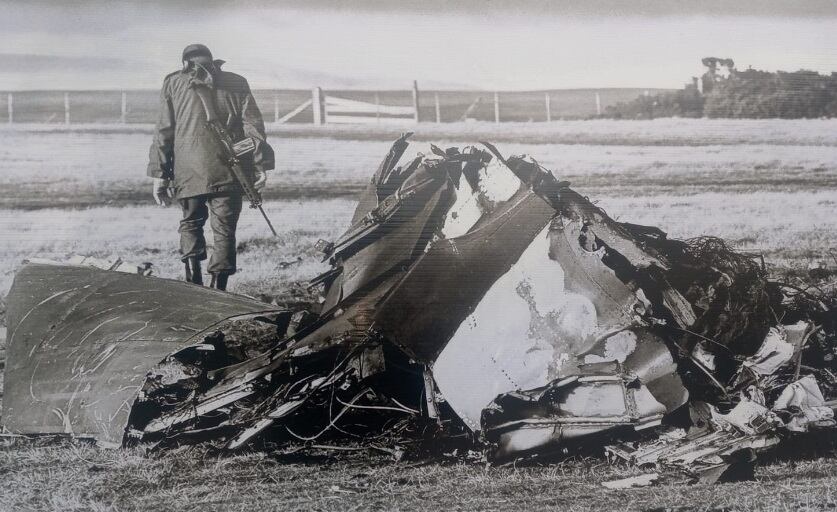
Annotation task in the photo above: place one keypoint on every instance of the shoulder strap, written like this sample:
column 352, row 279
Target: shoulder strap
column 207, row 98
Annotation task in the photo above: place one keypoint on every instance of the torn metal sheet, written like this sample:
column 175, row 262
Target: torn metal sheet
column 806, row 404
column 719, row 444
column 564, row 307
column 528, row 305
column 773, row 353
column 81, row 341
column 748, row 416
column 602, row 398
column 423, row 309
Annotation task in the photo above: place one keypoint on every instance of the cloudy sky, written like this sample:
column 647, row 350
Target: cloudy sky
column 489, row 44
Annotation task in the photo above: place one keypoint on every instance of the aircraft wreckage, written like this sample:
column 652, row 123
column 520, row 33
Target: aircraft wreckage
column 474, row 293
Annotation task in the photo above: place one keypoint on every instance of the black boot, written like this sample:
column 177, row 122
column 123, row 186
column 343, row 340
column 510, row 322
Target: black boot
column 193, row 271
column 219, row 280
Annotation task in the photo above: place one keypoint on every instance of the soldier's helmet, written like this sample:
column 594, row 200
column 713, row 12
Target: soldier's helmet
column 196, row 50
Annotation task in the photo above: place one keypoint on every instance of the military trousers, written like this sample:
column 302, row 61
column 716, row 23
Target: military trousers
column 223, row 211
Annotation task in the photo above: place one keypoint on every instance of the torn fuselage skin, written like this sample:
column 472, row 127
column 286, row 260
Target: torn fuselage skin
column 81, row 341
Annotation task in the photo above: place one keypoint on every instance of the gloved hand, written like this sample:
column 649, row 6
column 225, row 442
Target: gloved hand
column 162, row 192
column 260, row 181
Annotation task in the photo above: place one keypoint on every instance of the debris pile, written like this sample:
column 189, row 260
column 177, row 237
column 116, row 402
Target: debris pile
column 475, row 299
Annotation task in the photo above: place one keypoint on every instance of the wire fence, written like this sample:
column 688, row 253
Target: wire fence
column 300, row 105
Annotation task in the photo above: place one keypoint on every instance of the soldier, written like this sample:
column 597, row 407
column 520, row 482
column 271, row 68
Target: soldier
column 188, row 164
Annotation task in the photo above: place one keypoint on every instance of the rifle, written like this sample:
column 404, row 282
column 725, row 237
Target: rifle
column 233, row 151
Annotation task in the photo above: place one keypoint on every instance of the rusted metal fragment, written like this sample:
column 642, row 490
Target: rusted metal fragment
column 81, row 341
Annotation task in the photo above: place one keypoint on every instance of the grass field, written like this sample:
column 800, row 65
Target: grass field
column 93, row 166
column 767, row 187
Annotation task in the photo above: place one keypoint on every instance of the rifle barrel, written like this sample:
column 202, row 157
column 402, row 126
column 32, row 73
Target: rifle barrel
column 268, row 221
column 206, row 98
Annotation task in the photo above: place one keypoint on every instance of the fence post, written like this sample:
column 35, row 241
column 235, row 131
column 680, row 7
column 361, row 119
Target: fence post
column 275, row 108
column 66, row 108
column 124, row 118
column 416, row 100
column 438, row 109
column 11, row 105
column 496, row 107
column 598, row 105
column 548, row 108
column 317, row 104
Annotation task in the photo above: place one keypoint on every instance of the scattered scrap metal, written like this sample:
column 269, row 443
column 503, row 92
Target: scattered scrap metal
column 474, row 297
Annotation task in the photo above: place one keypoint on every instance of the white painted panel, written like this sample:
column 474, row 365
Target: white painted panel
column 519, row 336
column 496, row 183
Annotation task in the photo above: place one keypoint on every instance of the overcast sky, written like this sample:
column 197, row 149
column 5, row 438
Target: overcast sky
column 526, row 44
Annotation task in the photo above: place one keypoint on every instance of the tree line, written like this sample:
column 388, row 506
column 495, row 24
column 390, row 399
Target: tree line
column 744, row 94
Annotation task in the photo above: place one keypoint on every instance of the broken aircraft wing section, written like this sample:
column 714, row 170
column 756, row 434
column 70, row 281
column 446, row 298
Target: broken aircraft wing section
column 81, row 341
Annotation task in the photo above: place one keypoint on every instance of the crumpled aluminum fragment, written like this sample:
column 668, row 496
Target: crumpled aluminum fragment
column 774, row 352
column 805, row 399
